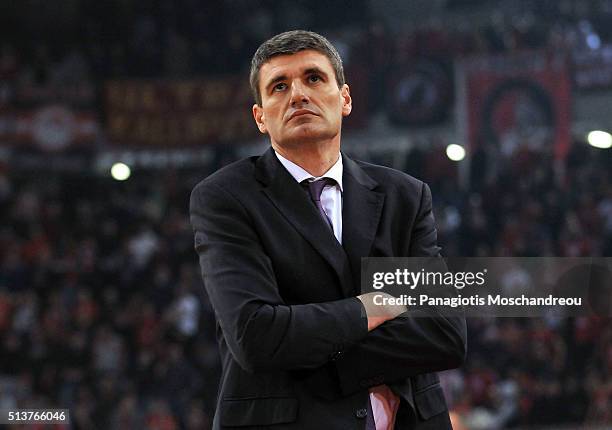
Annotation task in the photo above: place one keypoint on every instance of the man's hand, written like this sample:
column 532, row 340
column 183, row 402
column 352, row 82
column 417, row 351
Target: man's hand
column 378, row 314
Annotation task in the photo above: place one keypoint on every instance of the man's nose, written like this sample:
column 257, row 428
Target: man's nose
column 298, row 94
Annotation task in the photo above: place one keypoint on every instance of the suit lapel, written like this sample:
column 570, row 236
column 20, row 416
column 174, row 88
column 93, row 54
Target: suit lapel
column 293, row 202
column 361, row 211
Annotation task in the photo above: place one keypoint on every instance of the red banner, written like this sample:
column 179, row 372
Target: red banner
column 182, row 113
column 51, row 127
column 48, row 116
column 516, row 101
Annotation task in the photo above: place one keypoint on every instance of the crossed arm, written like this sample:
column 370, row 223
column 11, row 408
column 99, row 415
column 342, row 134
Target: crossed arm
column 263, row 333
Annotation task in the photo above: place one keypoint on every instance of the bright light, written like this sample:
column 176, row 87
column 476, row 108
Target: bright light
column 120, row 171
column 600, row 139
column 455, row 152
column 593, row 41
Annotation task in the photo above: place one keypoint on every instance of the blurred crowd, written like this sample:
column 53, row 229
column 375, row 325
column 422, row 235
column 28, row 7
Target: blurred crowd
column 530, row 371
column 100, row 303
column 96, row 41
column 102, row 309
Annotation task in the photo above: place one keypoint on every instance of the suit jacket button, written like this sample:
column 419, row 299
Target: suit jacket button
column 336, row 355
column 361, row 413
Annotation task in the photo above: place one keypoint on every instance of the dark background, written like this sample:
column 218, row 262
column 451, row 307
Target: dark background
column 102, row 309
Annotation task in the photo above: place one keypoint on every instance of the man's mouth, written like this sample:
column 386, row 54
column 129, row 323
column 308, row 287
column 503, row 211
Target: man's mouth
column 300, row 112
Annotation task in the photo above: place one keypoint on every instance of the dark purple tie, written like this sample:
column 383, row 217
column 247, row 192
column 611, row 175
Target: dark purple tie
column 315, row 188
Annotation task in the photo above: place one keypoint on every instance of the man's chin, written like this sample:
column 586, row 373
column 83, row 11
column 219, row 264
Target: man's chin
column 305, row 141
column 309, row 134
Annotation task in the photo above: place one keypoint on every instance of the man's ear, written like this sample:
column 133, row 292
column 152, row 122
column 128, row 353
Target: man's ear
column 347, row 102
column 258, row 115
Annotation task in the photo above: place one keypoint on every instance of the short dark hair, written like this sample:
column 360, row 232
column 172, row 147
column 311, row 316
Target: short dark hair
column 288, row 43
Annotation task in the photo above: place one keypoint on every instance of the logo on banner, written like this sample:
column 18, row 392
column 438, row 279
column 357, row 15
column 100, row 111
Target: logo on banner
column 518, row 111
column 420, row 95
column 53, row 127
column 519, row 100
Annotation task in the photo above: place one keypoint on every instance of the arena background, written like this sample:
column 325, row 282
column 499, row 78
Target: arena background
column 102, row 309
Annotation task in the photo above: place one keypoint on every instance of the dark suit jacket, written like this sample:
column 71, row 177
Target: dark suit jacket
column 294, row 345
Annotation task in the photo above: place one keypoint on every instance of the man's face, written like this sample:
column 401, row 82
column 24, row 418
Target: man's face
column 300, row 99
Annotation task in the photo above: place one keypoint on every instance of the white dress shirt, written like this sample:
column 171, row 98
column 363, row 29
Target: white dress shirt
column 331, row 196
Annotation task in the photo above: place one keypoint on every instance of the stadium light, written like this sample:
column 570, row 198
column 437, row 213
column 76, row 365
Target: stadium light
column 120, row 171
column 455, row 152
column 600, row 139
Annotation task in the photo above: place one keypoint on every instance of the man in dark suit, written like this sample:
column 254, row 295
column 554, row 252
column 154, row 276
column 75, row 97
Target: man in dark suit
column 280, row 238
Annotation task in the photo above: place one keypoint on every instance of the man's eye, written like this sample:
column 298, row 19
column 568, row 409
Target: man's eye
column 280, row 87
column 314, row 78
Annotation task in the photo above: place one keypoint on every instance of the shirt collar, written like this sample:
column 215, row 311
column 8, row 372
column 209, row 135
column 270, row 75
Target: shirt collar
column 299, row 174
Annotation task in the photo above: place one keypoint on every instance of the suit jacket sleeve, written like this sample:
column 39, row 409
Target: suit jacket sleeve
column 419, row 341
column 261, row 331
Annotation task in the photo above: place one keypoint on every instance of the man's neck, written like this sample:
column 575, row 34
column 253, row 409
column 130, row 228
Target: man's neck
column 315, row 159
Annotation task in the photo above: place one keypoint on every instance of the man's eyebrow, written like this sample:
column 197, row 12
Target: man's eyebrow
column 307, row 71
column 312, row 70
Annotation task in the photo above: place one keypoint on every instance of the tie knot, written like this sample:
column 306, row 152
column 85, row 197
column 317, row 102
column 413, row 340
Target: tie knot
column 315, row 188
